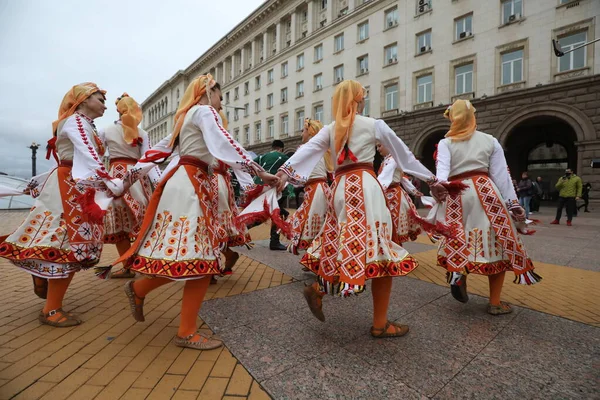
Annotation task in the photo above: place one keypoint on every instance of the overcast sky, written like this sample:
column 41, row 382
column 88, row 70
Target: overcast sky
column 130, row 46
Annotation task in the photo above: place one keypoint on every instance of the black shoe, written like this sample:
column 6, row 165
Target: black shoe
column 459, row 290
column 277, row 246
column 586, row 211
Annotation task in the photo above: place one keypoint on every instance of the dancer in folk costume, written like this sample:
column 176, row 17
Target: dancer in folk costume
column 126, row 143
column 487, row 242
column 58, row 238
column 309, row 218
column 356, row 241
column 177, row 239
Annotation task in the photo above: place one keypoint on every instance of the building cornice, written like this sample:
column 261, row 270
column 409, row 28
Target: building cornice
column 165, row 84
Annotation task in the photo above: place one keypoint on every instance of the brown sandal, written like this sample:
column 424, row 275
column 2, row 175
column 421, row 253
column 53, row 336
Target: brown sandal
column 312, row 297
column 40, row 287
column 66, row 320
column 501, row 309
column 203, row 343
column 399, row 330
column 137, row 310
column 123, row 273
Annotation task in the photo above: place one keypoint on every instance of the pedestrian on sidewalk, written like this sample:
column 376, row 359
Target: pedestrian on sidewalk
column 271, row 162
column 487, row 241
column 525, row 192
column 58, row 238
column 585, row 196
column 177, row 240
column 538, row 192
column 569, row 189
column 355, row 244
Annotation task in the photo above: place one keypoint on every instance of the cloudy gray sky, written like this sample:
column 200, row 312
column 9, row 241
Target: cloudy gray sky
column 128, row 46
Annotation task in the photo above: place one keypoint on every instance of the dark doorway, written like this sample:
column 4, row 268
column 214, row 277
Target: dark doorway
column 429, row 148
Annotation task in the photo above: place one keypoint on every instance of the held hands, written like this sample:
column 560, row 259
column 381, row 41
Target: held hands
column 438, row 191
column 269, row 179
column 518, row 213
column 283, row 178
column 577, row 198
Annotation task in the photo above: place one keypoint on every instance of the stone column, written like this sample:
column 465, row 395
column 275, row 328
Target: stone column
column 329, row 12
column 293, row 28
column 233, row 74
column 278, row 39
column 351, row 5
column 265, row 39
column 254, row 57
column 310, row 18
column 242, row 60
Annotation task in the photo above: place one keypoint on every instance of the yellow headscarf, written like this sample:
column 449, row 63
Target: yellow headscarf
column 194, row 92
column 314, row 126
column 74, row 97
column 345, row 103
column 463, row 122
column 131, row 116
column 224, row 122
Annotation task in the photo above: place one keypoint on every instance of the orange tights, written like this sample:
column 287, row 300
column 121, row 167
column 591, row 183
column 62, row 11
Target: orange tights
column 56, row 293
column 496, row 283
column 381, row 289
column 193, row 295
column 122, row 248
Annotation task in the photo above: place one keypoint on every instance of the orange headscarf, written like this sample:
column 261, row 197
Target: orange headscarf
column 74, row 97
column 131, row 116
column 314, row 126
column 463, row 122
column 345, row 103
column 224, row 122
column 194, row 92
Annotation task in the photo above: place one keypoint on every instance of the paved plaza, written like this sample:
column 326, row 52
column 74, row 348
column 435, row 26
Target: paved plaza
column 549, row 348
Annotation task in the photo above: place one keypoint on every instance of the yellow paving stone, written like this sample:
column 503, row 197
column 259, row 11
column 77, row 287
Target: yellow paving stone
column 136, row 394
column 100, row 359
column 240, row 382
column 118, row 386
column 35, row 391
column 197, row 376
column 224, row 366
column 152, row 375
column 143, row 359
column 184, row 362
column 65, row 368
column 65, row 388
column 23, row 365
column 166, row 387
column 63, row 354
column 23, row 352
column 210, row 355
column 213, row 389
column 258, row 393
column 186, row 395
column 23, row 381
column 107, row 373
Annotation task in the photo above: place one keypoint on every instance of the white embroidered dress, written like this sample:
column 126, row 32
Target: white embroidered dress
column 356, row 241
column 57, row 238
column 488, row 242
column 178, row 238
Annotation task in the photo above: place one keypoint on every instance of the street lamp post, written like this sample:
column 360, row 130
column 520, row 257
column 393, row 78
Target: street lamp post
column 34, row 146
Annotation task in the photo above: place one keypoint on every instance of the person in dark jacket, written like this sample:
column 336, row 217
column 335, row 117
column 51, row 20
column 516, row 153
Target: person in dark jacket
column 586, row 197
column 524, row 192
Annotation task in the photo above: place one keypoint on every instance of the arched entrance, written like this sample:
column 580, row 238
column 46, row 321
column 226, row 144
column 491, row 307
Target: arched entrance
column 544, row 146
column 429, row 147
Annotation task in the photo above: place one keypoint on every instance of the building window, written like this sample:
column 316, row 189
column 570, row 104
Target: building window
column 236, row 114
column 512, row 67
column 574, row 59
column 284, row 95
column 300, row 89
column 299, row 62
column 246, row 109
column 270, row 76
column 424, row 84
column 338, row 73
column 511, row 10
column 390, row 54
column 323, row 5
column 284, row 69
column 391, row 18
column 246, row 134
column 271, row 128
column 423, row 42
column 391, row 97
column 423, row 6
column 463, row 79
column 247, row 88
column 299, row 120
column 236, row 134
column 257, row 105
column 227, row 98
column 363, row 65
column 284, row 124
column 318, row 82
column 257, row 130
column 338, row 43
column 363, row 31
column 236, row 93
column 463, row 27
column 318, row 53
column 257, row 82
column 318, row 112
column 270, row 100
column 366, row 111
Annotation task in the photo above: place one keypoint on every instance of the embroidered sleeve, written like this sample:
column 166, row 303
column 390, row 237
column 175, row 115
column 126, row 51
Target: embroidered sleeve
column 386, row 177
column 400, row 152
column 409, row 187
column 500, row 175
column 221, row 144
column 303, row 162
column 443, row 160
column 86, row 162
column 154, row 173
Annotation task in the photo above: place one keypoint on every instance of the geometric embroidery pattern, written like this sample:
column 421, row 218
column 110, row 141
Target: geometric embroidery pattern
column 353, row 240
column 457, row 254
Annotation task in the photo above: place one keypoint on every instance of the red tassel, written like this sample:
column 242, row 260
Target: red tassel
column 434, row 229
column 284, row 227
column 89, row 206
column 154, row 155
column 51, row 149
column 455, row 187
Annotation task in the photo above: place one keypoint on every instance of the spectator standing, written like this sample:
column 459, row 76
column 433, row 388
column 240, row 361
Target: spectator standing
column 569, row 189
column 586, row 196
column 525, row 191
